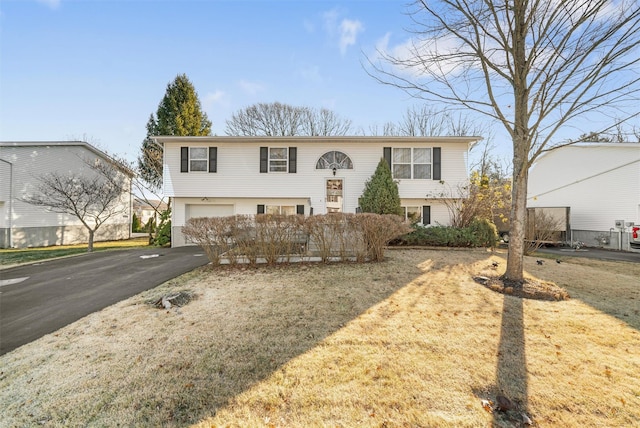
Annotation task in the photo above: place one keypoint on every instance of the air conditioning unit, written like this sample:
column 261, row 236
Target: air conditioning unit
column 620, row 224
column 629, row 224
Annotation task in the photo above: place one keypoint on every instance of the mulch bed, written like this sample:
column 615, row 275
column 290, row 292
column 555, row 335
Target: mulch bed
column 530, row 289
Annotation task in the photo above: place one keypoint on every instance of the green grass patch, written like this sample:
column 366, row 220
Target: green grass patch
column 14, row 256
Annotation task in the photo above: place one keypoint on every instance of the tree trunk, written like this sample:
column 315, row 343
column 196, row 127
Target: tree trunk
column 521, row 144
column 515, row 255
column 90, row 246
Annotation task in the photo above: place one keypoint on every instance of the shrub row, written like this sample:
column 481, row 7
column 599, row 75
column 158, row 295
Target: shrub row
column 277, row 238
column 480, row 233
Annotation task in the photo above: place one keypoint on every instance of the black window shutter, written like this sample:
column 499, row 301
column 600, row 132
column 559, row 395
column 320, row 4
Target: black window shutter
column 387, row 155
column 426, row 214
column 213, row 159
column 300, row 209
column 437, row 163
column 264, row 159
column 184, row 159
column 260, row 209
column 293, row 159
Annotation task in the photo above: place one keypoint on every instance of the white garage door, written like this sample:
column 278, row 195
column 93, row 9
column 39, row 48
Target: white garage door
column 208, row 211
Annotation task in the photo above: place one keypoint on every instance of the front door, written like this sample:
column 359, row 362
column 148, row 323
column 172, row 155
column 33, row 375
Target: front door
column 334, row 195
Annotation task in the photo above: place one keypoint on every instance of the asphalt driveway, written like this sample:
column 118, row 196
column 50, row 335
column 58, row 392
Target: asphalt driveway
column 40, row 298
column 593, row 253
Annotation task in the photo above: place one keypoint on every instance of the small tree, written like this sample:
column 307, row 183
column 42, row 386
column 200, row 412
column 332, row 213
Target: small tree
column 380, row 195
column 93, row 196
column 136, row 224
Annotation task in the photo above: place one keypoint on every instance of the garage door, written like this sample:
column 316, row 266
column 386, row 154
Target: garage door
column 208, row 211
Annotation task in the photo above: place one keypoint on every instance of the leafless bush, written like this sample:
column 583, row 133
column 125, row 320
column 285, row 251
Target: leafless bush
column 542, row 228
column 213, row 234
column 322, row 232
column 378, row 230
column 243, row 234
column 276, row 238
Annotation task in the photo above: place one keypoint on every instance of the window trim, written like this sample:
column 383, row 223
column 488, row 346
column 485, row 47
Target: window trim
column 204, row 159
column 412, row 163
column 290, row 166
column 211, row 159
column 330, row 165
column 271, row 159
column 423, row 209
column 262, row 209
column 436, row 161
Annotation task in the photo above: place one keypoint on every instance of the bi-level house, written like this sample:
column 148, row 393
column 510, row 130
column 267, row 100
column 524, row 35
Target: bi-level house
column 221, row 176
column 23, row 225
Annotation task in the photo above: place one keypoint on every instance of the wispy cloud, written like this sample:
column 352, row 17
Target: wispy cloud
column 344, row 29
column 52, row 4
column 250, row 88
column 214, row 97
column 349, row 30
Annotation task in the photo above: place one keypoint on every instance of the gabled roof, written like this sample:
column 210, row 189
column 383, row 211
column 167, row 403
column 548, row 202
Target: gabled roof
column 125, row 169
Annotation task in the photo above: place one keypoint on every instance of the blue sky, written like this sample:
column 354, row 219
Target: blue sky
column 98, row 69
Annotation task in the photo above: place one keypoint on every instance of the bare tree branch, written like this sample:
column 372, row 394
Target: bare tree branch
column 93, row 195
column 535, row 66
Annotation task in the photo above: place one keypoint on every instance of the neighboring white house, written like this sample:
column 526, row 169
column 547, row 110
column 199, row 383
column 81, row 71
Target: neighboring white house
column 220, row 176
column 147, row 209
column 599, row 182
column 25, row 225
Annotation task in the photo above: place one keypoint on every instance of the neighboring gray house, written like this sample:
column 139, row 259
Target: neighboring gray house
column 599, row 182
column 24, row 225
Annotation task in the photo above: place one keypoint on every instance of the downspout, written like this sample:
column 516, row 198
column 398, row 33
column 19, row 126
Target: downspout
column 10, row 202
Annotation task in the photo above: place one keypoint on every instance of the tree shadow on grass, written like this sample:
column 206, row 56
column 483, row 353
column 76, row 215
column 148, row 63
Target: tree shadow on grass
column 508, row 397
column 511, row 370
column 257, row 329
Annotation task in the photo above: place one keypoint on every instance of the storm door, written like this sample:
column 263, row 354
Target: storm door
column 334, row 195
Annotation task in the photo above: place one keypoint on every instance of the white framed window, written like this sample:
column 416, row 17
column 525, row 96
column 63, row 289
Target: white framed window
column 198, row 159
column 280, row 209
column 411, row 163
column 413, row 214
column 278, row 159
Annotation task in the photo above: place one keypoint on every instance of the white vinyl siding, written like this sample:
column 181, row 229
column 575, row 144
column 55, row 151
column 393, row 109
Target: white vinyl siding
column 239, row 182
column 599, row 182
column 32, row 160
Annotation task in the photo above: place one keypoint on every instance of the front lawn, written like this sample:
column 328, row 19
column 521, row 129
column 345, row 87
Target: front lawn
column 411, row 341
column 19, row 256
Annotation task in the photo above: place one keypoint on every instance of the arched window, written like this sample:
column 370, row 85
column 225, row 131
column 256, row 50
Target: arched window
column 334, row 159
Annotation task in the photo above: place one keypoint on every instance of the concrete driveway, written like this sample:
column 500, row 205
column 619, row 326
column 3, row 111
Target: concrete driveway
column 40, row 298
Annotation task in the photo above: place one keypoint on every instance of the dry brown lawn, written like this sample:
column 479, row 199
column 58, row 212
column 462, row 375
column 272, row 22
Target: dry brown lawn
column 412, row 341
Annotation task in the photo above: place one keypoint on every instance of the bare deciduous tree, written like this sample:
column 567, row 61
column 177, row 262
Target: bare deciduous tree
column 534, row 66
column 427, row 121
column 323, row 122
column 277, row 119
column 93, row 196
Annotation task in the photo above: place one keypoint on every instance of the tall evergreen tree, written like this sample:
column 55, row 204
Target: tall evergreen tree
column 179, row 113
column 380, row 195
